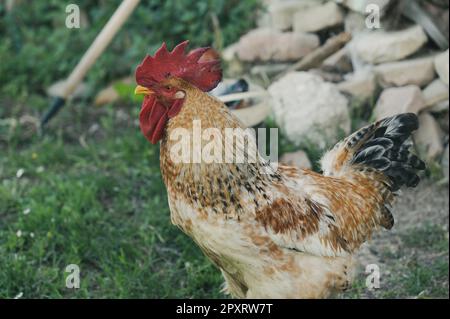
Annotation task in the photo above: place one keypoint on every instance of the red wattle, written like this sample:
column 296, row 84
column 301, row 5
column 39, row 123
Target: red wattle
column 154, row 116
column 159, row 129
column 175, row 108
column 152, row 119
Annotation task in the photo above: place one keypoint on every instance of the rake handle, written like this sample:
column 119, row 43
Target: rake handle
column 97, row 47
column 100, row 43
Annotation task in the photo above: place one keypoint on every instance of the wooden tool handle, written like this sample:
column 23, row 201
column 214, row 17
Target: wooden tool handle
column 98, row 46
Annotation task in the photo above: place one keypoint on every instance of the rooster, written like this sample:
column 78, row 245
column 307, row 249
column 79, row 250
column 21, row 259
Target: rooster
column 273, row 231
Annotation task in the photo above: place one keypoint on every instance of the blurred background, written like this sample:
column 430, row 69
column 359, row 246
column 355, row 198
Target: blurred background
column 87, row 189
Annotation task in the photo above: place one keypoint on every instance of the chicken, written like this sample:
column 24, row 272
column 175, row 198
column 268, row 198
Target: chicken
column 273, row 231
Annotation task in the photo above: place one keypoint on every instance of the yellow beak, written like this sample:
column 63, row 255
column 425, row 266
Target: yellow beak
column 142, row 90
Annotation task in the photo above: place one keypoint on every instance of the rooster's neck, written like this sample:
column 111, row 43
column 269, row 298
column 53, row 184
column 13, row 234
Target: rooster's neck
column 214, row 184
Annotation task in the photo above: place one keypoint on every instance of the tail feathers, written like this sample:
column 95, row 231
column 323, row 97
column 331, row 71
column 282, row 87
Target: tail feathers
column 381, row 152
column 386, row 147
column 387, row 220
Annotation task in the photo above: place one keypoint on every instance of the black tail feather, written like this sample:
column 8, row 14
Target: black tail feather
column 388, row 150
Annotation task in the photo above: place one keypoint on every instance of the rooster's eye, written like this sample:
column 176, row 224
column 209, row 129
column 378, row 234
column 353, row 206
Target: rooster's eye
column 168, row 87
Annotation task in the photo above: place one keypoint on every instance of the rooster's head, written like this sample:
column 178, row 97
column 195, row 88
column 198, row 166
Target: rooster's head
column 157, row 77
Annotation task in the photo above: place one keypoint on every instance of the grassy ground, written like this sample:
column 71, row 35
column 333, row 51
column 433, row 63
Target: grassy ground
column 91, row 194
column 412, row 257
column 88, row 191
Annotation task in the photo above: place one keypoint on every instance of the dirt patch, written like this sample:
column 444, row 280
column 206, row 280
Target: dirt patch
column 408, row 254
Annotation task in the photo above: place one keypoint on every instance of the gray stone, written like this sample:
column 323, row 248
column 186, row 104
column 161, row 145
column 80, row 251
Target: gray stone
column 354, row 22
column 362, row 5
column 361, row 85
column 339, row 61
column 443, row 119
column 435, row 93
column 272, row 45
column 299, row 159
column 318, row 18
column 441, row 65
column 235, row 67
column 428, row 137
column 281, row 13
column 230, row 52
column 394, row 101
column 416, row 71
column 309, row 109
column 328, row 76
column 380, row 46
column 439, row 108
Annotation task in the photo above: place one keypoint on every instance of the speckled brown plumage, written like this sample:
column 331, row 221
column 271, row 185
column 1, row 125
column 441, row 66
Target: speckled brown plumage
column 280, row 232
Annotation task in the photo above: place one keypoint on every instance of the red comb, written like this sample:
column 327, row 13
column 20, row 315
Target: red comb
column 205, row 73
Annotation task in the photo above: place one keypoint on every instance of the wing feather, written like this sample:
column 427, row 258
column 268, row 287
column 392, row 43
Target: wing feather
column 324, row 216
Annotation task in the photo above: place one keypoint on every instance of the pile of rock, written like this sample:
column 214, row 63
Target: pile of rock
column 394, row 67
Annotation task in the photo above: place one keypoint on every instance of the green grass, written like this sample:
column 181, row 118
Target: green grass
column 427, row 237
column 103, row 207
column 37, row 49
column 419, row 270
column 92, row 183
column 419, row 279
column 88, row 191
column 425, row 275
